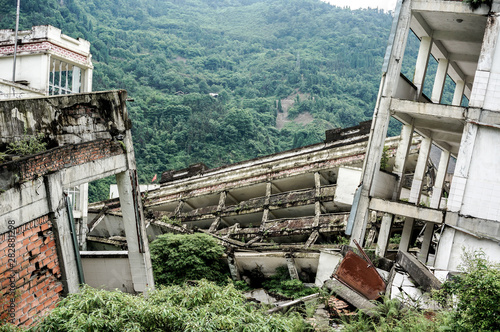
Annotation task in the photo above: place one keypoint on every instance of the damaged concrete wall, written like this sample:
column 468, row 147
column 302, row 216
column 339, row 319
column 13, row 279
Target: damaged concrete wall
column 29, row 270
column 89, row 138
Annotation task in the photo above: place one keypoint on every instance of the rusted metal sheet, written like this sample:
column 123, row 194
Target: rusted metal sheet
column 360, row 275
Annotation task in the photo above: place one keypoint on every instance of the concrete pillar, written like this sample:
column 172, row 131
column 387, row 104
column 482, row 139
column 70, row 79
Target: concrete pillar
column 459, row 93
column 439, row 80
column 292, row 268
column 178, row 208
column 220, row 207
column 486, row 64
column 418, row 176
column 444, row 249
column 384, row 234
column 426, row 243
column 406, row 235
column 233, row 268
column 135, row 231
column 440, row 177
column 404, row 145
column 422, row 62
column 62, row 232
column 461, row 174
column 388, row 85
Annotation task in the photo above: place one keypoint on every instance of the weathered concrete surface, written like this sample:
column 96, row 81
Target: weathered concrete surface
column 418, row 271
column 70, row 119
column 350, row 295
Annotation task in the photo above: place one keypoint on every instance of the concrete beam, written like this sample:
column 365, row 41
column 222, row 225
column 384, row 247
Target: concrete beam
column 455, row 36
column 418, row 271
column 428, row 109
column 407, row 210
column 350, row 296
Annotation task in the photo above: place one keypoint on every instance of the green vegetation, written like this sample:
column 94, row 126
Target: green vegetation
column 390, row 316
column 28, row 144
column 170, row 55
column 177, row 258
column 204, row 307
column 281, row 284
column 473, row 296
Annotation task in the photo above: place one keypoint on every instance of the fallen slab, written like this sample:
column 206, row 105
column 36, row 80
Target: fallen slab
column 418, row 271
column 292, row 303
column 350, row 296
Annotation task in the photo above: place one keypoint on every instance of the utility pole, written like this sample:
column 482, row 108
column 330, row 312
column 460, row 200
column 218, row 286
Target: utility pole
column 15, row 43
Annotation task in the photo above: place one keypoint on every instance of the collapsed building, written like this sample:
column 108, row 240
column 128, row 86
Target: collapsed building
column 85, row 137
column 292, row 208
column 288, row 208
column 294, row 202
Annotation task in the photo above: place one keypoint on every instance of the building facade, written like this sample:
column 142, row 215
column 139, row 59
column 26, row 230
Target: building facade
column 464, row 42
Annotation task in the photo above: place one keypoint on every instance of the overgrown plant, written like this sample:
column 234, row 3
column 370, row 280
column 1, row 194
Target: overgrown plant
column 281, row 284
column 180, row 257
column 390, row 315
column 474, row 295
column 28, row 144
column 384, row 160
column 204, row 307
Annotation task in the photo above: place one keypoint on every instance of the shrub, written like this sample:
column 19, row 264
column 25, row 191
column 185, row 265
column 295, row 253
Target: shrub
column 27, row 145
column 474, row 295
column 390, row 316
column 180, row 257
column 204, row 307
column 281, row 284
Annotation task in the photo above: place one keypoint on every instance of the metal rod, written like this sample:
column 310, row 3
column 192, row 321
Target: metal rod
column 69, row 207
column 15, row 42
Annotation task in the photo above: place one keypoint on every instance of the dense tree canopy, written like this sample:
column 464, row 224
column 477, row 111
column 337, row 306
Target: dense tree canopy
column 170, row 55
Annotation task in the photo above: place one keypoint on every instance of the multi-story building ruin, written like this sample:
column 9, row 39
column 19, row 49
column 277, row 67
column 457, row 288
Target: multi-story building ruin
column 464, row 42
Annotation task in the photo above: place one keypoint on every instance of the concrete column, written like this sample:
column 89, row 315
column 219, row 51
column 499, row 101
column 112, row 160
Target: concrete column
column 486, row 64
column 459, row 93
column 388, row 85
column 440, row 177
column 406, row 235
column 422, row 62
column 292, row 268
column 437, row 89
column 384, row 234
column 233, row 268
column 135, row 231
column 220, row 207
column 418, row 176
column 62, row 232
column 444, row 249
column 461, row 174
column 404, row 145
column 426, row 243
column 178, row 208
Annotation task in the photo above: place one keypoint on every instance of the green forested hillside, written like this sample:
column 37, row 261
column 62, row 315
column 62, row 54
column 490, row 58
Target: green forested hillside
column 170, row 54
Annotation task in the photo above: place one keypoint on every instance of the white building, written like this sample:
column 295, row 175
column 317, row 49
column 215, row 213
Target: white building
column 48, row 63
column 465, row 44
